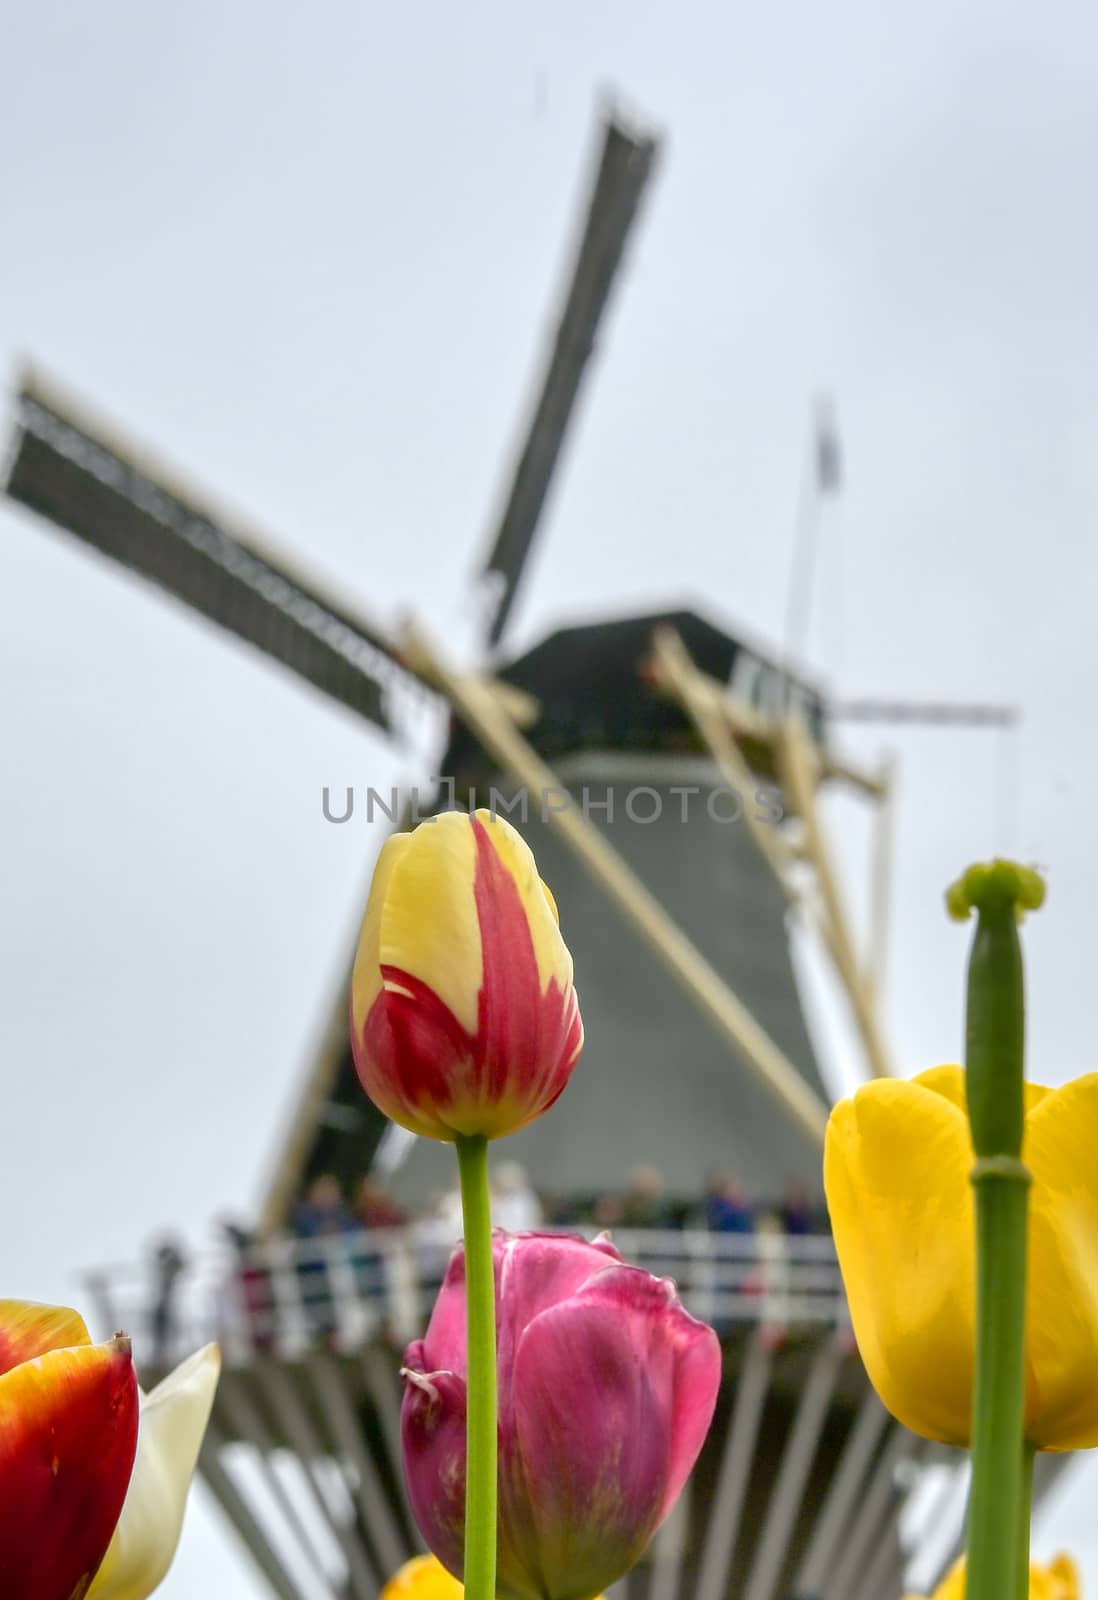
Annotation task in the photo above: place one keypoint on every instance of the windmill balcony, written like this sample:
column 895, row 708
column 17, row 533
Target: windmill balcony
column 283, row 1297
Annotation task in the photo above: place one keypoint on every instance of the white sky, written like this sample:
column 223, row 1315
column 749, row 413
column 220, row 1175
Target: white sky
column 308, row 251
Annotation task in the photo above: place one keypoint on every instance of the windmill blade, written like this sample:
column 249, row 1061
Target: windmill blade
column 68, row 468
column 624, row 168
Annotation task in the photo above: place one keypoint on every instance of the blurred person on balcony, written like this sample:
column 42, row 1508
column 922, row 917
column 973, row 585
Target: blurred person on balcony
column 375, row 1207
column 515, row 1206
column 255, row 1300
column 321, row 1215
column 643, row 1204
column 797, row 1215
column 169, row 1263
column 727, row 1206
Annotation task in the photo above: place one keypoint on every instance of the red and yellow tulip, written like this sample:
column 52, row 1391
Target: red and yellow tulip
column 464, row 1019
column 68, row 1436
column 93, row 1476
column 897, row 1167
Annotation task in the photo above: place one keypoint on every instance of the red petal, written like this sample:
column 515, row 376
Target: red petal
column 68, row 1435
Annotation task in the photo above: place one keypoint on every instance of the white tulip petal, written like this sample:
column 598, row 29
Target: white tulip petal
column 173, row 1422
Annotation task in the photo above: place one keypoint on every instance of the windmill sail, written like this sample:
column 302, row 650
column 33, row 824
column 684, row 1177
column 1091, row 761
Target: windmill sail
column 623, row 172
column 70, row 470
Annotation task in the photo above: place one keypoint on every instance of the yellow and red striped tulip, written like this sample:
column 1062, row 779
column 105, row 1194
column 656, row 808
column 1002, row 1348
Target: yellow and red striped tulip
column 93, row 1473
column 464, row 1019
column 897, row 1162
column 68, row 1435
column 1058, row 1581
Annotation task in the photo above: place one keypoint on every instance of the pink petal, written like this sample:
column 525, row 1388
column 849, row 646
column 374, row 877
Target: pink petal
column 535, row 1271
column 444, row 1341
column 432, row 1425
column 593, row 1429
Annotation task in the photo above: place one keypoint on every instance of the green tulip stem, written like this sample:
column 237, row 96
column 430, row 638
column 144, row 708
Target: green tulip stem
column 481, row 1392
column 995, row 1508
column 998, row 1507
column 1022, row 1575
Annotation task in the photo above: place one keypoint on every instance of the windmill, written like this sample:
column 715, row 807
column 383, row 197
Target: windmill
column 666, row 772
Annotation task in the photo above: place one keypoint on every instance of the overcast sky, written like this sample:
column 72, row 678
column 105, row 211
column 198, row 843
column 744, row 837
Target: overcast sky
column 309, row 253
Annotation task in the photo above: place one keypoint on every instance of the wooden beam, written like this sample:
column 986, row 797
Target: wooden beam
column 693, row 690
column 743, row 721
column 723, row 1523
column 799, row 773
column 881, row 882
column 480, row 709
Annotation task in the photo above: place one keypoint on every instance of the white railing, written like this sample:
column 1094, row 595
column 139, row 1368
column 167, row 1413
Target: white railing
column 285, row 1296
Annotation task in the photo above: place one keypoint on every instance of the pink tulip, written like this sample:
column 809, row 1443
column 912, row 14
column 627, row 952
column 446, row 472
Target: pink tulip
column 606, row 1392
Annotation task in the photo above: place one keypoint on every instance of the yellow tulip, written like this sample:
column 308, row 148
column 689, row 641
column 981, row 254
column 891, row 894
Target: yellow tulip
column 464, row 1019
column 896, row 1171
column 425, row 1578
column 1058, row 1581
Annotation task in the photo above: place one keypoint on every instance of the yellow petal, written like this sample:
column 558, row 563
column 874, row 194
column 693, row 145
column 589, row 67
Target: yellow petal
column 950, row 1082
column 428, row 923
column 366, row 979
column 1061, row 1149
column 425, row 1578
column 1058, row 1581
column 896, row 1172
column 173, row 1422
column 28, row 1330
column 422, row 1578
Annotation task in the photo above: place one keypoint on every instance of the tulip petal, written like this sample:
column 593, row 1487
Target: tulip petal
column 68, row 1433
column 422, row 1578
column 1062, row 1288
column 554, row 961
column 896, row 1171
column 429, row 927
column 535, row 1271
column 173, row 1423
column 28, row 1330
column 443, row 1345
column 950, row 1081
column 596, row 1383
column 366, row 980
column 432, row 1425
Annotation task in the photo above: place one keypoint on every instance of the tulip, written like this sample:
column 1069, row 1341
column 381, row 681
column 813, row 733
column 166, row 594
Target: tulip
column 173, row 1423
column 464, row 1020
column 897, row 1162
column 422, row 1578
column 606, row 1391
column 93, row 1473
column 425, row 1578
column 1058, row 1581
column 68, row 1434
